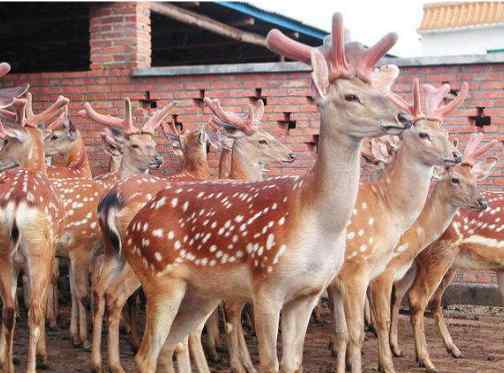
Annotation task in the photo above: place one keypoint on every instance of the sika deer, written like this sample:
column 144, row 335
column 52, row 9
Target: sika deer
column 384, row 210
column 471, row 241
column 457, row 189
column 31, row 219
column 190, row 250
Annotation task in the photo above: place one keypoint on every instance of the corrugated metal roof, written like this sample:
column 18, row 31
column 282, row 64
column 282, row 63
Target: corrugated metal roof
column 448, row 16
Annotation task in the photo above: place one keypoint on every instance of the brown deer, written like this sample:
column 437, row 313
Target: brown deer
column 261, row 239
column 80, row 197
column 32, row 218
column 384, row 210
column 470, row 242
column 457, row 189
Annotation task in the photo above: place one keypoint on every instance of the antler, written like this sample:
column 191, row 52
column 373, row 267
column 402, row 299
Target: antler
column 434, row 98
column 473, row 151
column 108, row 120
column 7, row 95
column 48, row 115
column 157, row 118
column 59, row 122
column 245, row 123
column 362, row 61
column 414, row 109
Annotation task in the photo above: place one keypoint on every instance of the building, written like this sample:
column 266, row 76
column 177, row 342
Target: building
column 155, row 53
column 456, row 28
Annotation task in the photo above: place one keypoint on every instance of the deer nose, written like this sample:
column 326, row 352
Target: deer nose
column 291, row 157
column 404, row 119
column 482, row 204
column 457, row 156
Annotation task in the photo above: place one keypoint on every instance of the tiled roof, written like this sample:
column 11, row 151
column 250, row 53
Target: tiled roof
column 446, row 16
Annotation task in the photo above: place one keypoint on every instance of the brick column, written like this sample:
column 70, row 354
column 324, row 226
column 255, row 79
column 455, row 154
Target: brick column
column 120, row 35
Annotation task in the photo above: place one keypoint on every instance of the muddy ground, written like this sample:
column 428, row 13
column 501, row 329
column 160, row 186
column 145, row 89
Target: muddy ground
column 479, row 333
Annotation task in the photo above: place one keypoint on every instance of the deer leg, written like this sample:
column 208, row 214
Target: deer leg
column 239, row 357
column 400, row 289
column 353, row 300
column 98, row 285
column 163, row 303
column 74, row 318
column 182, row 356
column 295, row 318
column 52, row 297
column 213, row 335
column 437, row 311
column 39, row 277
column 124, row 286
column 81, row 276
column 340, row 337
column 381, row 290
column 8, row 286
column 367, row 314
column 266, row 320
column 197, row 351
column 132, row 321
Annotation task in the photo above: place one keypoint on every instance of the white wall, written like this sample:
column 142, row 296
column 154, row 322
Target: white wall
column 473, row 41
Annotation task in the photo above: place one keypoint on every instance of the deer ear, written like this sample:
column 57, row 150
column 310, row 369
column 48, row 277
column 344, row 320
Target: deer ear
column 257, row 109
column 71, row 130
column 482, row 169
column 320, row 73
column 115, row 138
column 439, row 173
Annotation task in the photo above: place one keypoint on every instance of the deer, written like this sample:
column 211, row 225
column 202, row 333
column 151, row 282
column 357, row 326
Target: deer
column 81, row 196
column 469, row 242
column 384, row 210
column 457, row 188
column 32, row 218
column 195, row 166
column 259, row 251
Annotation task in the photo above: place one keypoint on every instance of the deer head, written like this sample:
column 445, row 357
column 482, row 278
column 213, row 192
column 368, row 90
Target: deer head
column 461, row 181
column 23, row 143
column 351, row 95
column 137, row 145
column 254, row 147
column 428, row 139
column 61, row 135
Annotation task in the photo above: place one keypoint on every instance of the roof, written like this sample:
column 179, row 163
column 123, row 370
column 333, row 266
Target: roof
column 451, row 16
column 274, row 19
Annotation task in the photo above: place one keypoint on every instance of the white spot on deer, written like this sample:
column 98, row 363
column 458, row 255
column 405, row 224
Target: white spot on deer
column 93, row 225
column 200, row 194
column 158, row 256
column 238, row 218
column 213, row 248
column 158, row 232
column 371, row 221
column 281, row 221
column 178, row 245
column 350, row 235
column 363, row 248
column 360, row 232
column 280, row 252
column 270, row 241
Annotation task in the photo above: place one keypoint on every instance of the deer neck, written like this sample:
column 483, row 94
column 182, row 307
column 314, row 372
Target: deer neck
column 128, row 169
column 225, row 163
column 77, row 156
column 243, row 167
column 196, row 165
column 404, row 186
column 435, row 217
column 330, row 188
column 35, row 159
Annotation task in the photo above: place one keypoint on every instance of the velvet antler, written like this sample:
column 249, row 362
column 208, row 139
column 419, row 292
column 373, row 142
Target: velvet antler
column 246, row 123
column 474, row 151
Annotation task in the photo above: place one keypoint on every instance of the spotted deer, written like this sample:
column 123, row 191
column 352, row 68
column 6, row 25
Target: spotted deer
column 193, row 145
column 384, row 210
column 80, row 198
column 471, row 241
column 197, row 244
column 31, row 221
column 456, row 189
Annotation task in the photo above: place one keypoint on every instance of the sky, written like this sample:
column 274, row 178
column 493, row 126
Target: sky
column 367, row 21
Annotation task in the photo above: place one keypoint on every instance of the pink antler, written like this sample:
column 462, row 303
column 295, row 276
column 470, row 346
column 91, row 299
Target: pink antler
column 434, row 98
column 416, row 108
column 108, row 120
column 4, row 69
column 245, row 123
column 59, row 122
column 157, row 118
column 473, row 151
column 48, row 115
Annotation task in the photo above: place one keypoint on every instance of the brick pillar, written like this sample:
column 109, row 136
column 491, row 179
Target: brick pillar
column 120, row 35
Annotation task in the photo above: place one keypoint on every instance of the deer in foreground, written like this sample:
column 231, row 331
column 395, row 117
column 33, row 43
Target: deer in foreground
column 472, row 241
column 261, row 239
column 81, row 196
column 32, row 218
column 456, row 189
column 384, row 210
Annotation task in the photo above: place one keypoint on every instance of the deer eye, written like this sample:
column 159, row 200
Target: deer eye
column 54, row 137
column 263, row 142
column 135, row 146
column 352, row 98
column 455, row 180
column 424, row 136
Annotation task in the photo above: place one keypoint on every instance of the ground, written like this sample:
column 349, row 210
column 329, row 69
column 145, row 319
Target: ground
column 478, row 331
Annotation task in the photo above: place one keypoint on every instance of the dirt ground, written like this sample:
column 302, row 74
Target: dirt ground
column 478, row 331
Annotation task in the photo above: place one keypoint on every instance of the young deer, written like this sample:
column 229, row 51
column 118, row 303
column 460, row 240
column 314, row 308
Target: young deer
column 457, row 189
column 470, row 242
column 80, row 197
column 31, row 221
column 196, row 244
column 384, row 210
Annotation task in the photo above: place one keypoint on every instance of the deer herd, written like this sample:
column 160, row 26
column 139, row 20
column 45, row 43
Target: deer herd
column 196, row 244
